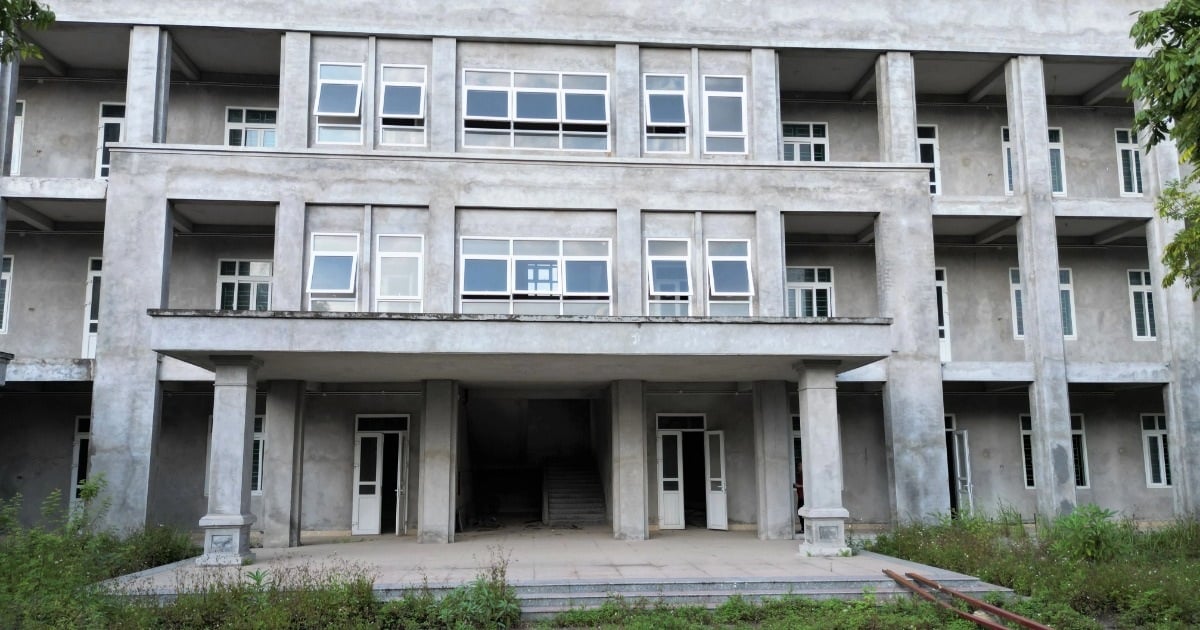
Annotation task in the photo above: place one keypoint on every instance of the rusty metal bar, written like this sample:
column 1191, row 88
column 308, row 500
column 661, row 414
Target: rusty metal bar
column 924, row 594
column 978, row 603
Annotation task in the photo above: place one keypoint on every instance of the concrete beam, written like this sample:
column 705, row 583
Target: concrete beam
column 863, row 86
column 180, row 223
column 53, row 64
column 867, row 235
column 22, row 212
column 1106, row 85
column 1118, row 231
column 994, row 232
column 980, row 89
column 182, row 62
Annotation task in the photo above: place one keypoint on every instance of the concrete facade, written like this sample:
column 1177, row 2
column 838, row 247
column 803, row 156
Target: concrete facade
column 692, row 259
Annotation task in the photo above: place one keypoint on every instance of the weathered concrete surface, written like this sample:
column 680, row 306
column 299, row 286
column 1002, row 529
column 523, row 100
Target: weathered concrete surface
column 283, row 468
column 438, row 460
column 227, row 523
column 773, row 471
column 630, row 478
column 821, row 444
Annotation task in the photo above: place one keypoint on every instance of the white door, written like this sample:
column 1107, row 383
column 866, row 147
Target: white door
column 368, row 472
column 91, row 308
column 402, row 487
column 670, row 480
column 962, row 469
column 716, row 503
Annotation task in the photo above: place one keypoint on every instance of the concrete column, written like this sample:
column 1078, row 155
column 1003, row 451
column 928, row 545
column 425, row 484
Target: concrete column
column 8, row 101
column 443, row 88
column 287, row 283
column 147, row 85
column 773, row 460
column 283, row 469
column 439, row 463
column 769, row 262
column 821, row 452
column 627, row 262
column 126, row 391
column 913, row 411
column 895, row 81
column 1037, row 242
column 1177, row 336
column 627, row 101
column 227, row 524
column 630, row 506
column 766, row 139
column 295, row 68
column 441, row 247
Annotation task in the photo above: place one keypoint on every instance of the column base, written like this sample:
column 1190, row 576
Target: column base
column 824, row 536
column 226, row 540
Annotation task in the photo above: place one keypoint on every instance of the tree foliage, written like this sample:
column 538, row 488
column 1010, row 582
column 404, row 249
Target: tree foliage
column 16, row 17
column 1167, row 84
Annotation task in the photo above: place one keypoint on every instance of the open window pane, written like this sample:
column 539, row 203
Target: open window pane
column 338, row 99
column 401, row 100
column 585, row 107
column 536, row 276
column 487, row 104
column 667, row 109
column 730, row 277
column 485, row 276
column 669, row 277
column 332, row 273
column 537, row 105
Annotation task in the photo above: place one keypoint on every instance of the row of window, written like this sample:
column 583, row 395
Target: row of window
column 1154, row 450
column 1141, row 304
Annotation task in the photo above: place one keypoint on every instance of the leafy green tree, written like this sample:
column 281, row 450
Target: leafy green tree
column 16, row 17
column 1167, row 83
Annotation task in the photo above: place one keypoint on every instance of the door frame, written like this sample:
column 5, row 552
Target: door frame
column 402, row 465
column 695, row 427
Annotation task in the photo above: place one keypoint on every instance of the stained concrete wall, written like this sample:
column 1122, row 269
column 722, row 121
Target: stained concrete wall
column 37, row 434
column 61, row 125
column 49, row 285
column 1090, row 146
column 1103, row 317
column 980, row 302
column 994, row 432
column 864, row 458
column 969, row 148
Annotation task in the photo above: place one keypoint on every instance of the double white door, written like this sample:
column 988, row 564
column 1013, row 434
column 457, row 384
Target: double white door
column 671, row 480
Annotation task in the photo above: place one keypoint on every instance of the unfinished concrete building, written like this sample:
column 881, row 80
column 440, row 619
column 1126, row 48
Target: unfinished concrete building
column 407, row 269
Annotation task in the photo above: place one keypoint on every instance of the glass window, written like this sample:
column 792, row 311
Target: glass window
column 1141, row 302
column 244, row 285
column 1027, row 449
column 251, row 128
column 332, row 272
column 6, row 264
column 729, row 276
column 1018, row 306
column 724, row 114
column 339, row 97
column 539, row 276
column 535, row 110
column 1129, row 163
column 669, row 269
column 398, row 273
column 112, row 129
column 805, row 142
column 666, row 113
column 1067, row 303
column 928, row 153
column 810, row 292
column 402, row 105
column 1155, row 450
column 1058, row 180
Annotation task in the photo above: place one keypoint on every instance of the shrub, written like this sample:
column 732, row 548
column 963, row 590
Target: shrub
column 1089, row 533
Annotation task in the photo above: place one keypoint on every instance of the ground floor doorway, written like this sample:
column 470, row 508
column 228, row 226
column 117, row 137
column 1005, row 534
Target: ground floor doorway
column 380, row 475
column 691, row 473
column 958, row 463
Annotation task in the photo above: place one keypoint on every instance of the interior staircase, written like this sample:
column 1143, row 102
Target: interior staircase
column 572, row 495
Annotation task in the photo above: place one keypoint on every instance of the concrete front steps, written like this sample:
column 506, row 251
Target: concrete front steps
column 543, row 600
column 574, row 495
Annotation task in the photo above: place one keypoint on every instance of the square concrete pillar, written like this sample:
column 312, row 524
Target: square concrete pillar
column 295, row 63
column 630, row 507
column 895, row 84
column 287, row 281
column 771, row 262
column 627, row 101
column 441, row 246
column 773, row 469
column 766, row 136
column 443, row 87
column 1037, row 243
column 438, row 482
column 9, row 72
column 1177, row 313
column 627, row 262
column 147, row 85
column 283, row 468
column 821, row 452
column 227, row 523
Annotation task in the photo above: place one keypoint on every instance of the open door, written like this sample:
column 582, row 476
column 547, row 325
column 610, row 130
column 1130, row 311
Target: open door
column 716, row 505
column 368, row 472
column 670, row 480
column 962, row 471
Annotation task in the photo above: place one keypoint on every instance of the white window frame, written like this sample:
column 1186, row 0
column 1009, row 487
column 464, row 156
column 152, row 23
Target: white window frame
column 816, row 285
column 102, row 167
column 1062, row 161
column 1006, row 156
column 657, row 130
column 243, row 126
column 380, row 255
column 342, row 121
column 942, row 295
column 238, row 279
column 91, row 307
column 561, row 123
column 259, row 445
column 795, row 142
column 78, row 450
column 18, row 139
column 6, row 267
column 1145, row 288
column 512, row 299
column 1016, row 292
column 1027, row 471
column 669, row 297
column 716, row 297
column 1066, row 301
column 1079, row 465
column 1131, row 147
column 348, row 296
column 935, row 167
column 1157, row 434
column 418, row 120
column 708, row 132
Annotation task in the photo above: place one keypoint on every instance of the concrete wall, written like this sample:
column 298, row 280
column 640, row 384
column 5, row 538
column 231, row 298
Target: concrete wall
column 196, row 112
column 194, row 264
column 969, row 148
column 980, row 302
column 49, row 285
column 1091, row 151
column 854, row 293
column 601, row 432
column 177, row 493
column 864, row 457
column 37, row 433
column 61, row 125
column 1103, row 317
column 993, row 429
column 853, row 136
